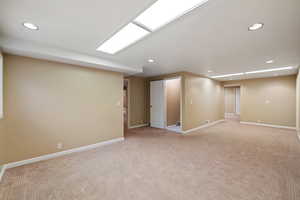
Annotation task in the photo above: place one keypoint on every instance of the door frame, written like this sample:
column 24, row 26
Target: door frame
column 180, row 97
column 165, row 99
column 128, row 101
column 234, row 86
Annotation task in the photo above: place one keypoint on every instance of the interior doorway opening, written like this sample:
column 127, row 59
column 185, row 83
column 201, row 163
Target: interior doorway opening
column 165, row 104
column 125, row 104
column 232, row 96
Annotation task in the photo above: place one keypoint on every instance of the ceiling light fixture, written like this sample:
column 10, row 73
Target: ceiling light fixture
column 270, row 61
column 30, row 26
column 163, row 12
column 150, row 60
column 122, row 39
column 157, row 15
column 228, row 75
column 255, row 26
column 270, row 70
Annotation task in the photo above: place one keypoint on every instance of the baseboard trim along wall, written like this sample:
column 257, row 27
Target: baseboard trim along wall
column 203, row 126
column 230, row 115
column 2, row 170
column 169, row 128
column 268, row 125
column 61, row 153
column 138, row 126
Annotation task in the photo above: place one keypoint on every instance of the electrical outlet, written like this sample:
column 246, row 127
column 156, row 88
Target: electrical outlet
column 59, row 145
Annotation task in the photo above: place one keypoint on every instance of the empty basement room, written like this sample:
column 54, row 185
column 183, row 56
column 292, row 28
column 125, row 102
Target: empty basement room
column 150, row 99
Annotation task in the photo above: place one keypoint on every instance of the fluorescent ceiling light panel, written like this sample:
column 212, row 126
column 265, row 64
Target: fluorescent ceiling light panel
column 270, row 70
column 122, row 39
column 164, row 11
column 228, row 75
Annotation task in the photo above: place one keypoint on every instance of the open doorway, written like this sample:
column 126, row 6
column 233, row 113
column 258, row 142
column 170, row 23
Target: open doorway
column 125, row 104
column 232, row 102
column 165, row 104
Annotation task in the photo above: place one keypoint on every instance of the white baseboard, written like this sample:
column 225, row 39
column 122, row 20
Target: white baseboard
column 138, row 126
column 169, row 128
column 268, row 125
column 231, row 115
column 2, row 171
column 61, row 153
column 203, row 126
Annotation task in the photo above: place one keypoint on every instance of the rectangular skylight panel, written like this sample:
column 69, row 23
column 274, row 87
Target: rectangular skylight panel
column 270, row 70
column 228, row 75
column 122, row 39
column 165, row 11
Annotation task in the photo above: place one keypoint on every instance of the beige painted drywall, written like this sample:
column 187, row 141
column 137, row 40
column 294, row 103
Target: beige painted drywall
column 2, row 143
column 48, row 102
column 298, row 102
column 203, row 100
column 268, row 100
column 138, row 95
column 230, row 99
column 173, row 88
column 1, row 85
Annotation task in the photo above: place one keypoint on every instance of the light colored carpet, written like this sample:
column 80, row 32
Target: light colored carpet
column 226, row 162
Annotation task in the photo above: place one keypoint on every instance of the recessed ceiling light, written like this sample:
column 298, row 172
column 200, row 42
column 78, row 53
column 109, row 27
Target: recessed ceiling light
column 270, row 61
column 150, row 60
column 255, row 26
column 30, row 26
column 122, row 39
column 164, row 11
column 270, row 70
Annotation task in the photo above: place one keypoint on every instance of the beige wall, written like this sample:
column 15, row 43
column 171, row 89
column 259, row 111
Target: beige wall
column 230, row 99
column 298, row 102
column 50, row 102
column 2, row 143
column 203, row 100
column 138, row 95
column 173, row 87
column 268, row 100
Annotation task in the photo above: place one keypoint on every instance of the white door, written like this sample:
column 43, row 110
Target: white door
column 157, row 104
